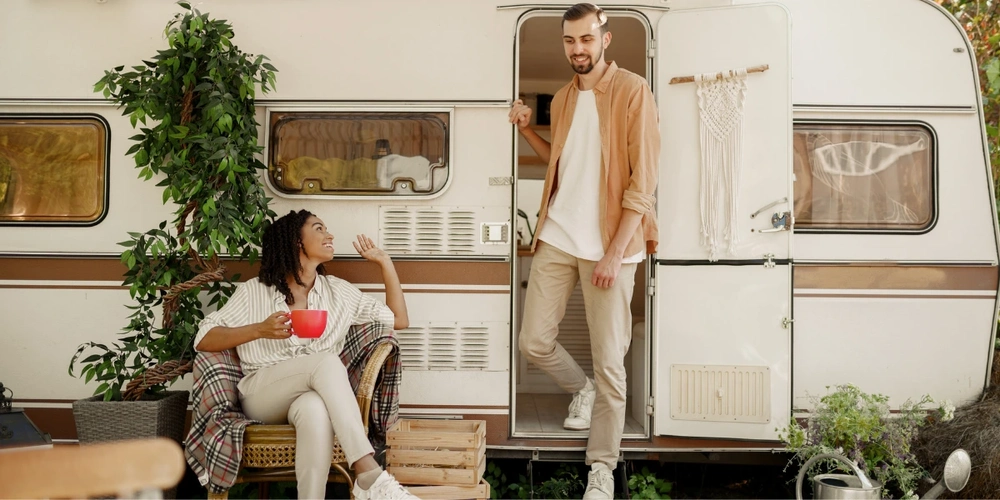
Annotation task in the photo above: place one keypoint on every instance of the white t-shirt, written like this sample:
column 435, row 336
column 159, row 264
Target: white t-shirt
column 574, row 216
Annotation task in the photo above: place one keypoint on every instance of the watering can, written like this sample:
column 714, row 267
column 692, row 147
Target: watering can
column 957, row 469
column 839, row 486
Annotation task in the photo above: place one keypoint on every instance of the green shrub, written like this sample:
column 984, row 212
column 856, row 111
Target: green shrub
column 859, row 426
column 645, row 484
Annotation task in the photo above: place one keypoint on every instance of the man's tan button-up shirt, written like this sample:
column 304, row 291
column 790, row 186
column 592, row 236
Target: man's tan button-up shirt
column 630, row 152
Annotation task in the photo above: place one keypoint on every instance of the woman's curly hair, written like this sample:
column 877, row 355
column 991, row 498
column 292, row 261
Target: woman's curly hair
column 280, row 252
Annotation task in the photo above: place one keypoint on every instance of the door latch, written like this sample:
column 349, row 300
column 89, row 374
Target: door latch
column 786, row 322
column 768, row 260
column 780, row 222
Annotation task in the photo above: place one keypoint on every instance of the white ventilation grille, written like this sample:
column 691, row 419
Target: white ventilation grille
column 574, row 334
column 720, row 393
column 446, row 346
column 428, row 230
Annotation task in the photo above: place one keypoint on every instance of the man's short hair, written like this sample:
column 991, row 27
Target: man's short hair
column 582, row 10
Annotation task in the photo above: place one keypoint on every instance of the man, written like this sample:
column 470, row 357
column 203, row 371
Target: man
column 596, row 224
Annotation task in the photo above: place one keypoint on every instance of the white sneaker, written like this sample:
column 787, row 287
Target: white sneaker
column 600, row 483
column 385, row 488
column 581, row 407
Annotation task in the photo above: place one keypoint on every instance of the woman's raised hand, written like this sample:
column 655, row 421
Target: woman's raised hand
column 367, row 249
column 276, row 326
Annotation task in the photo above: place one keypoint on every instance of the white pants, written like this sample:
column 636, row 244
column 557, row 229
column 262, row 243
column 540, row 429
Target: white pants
column 314, row 394
column 554, row 275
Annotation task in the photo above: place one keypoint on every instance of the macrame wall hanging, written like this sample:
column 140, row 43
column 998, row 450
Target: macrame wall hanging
column 721, row 97
column 720, row 107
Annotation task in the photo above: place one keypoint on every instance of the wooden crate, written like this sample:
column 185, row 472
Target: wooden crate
column 478, row 492
column 437, row 452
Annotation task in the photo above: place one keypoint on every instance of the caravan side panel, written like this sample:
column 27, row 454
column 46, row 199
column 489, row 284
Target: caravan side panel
column 360, row 51
column 884, row 53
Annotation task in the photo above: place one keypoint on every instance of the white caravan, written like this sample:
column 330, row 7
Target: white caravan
column 867, row 235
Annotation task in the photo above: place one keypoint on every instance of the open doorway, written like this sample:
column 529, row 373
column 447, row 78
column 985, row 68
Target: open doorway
column 540, row 405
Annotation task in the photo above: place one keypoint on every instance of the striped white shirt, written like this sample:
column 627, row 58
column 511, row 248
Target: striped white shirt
column 253, row 302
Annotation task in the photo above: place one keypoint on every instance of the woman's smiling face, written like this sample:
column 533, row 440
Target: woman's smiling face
column 317, row 242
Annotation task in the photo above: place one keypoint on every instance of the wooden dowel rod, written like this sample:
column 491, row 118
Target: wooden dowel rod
column 718, row 76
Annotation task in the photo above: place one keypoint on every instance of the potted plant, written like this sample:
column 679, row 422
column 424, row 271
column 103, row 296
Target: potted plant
column 198, row 140
column 859, row 426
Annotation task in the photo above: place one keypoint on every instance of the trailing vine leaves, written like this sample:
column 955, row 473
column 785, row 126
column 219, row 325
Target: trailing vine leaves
column 193, row 104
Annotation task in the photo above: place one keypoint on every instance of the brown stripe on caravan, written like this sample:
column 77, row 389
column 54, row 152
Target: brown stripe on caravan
column 61, row 268
column 667, row 443
column 59, row 423
column 896, row 277
column 425, row 272
column 409, row 291
column 65, row 287
column 404, row 407
column 870, row 295
column 410, row 272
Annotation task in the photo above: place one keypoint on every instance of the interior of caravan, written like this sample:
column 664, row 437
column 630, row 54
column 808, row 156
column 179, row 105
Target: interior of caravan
column 543, row 69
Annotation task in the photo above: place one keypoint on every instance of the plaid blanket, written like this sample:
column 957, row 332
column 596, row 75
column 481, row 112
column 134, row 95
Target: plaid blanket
column 214, row 444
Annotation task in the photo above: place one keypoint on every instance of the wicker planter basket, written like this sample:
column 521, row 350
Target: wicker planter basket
column 161, row 415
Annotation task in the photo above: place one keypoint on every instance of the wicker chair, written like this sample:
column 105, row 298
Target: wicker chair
column 269, row 450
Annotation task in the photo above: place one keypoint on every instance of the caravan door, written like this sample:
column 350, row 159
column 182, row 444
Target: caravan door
column 722, row 326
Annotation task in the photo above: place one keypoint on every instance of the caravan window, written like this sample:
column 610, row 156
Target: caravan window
column 53, row 170
column 862, row 177
column 341, row 153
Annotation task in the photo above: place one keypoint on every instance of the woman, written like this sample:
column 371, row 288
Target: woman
column 303, row 381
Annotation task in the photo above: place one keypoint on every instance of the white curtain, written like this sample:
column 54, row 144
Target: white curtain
column 863, row 177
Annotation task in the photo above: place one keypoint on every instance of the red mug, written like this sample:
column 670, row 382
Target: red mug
column 308, row 323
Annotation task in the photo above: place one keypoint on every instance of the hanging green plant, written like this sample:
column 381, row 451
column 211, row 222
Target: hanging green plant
column 194, row 106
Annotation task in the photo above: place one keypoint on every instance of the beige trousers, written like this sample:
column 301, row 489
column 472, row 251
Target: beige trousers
column 314, row 394
column 553, row 277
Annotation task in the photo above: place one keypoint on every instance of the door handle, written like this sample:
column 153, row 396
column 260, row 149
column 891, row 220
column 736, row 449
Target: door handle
column 769, row 205
column 780, row 222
